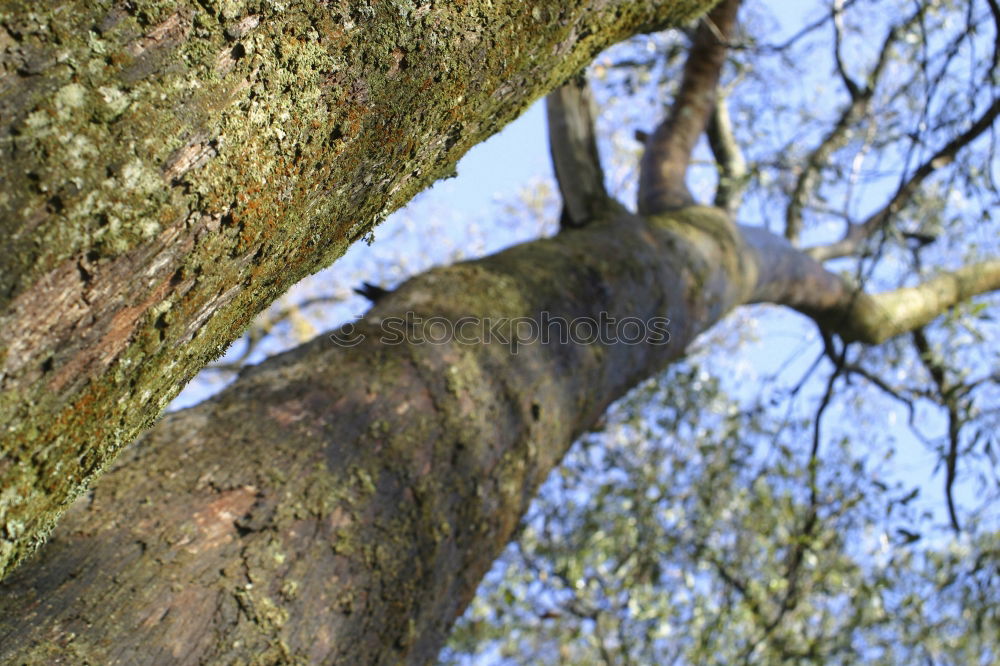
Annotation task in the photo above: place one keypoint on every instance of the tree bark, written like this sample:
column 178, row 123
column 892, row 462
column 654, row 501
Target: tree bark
column 169, row 168
column 338, row 503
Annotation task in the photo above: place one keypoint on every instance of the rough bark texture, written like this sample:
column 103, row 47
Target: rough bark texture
column 341, row 505
column 169, row 168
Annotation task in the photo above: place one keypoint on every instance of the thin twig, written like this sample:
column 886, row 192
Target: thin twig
column 950, row 400
column 858, row 233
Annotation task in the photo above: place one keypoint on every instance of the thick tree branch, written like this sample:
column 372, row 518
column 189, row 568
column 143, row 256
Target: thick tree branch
column 571, row 112
column 339, row 504
column 664, row 164
column 790, row 277
column 264, row 325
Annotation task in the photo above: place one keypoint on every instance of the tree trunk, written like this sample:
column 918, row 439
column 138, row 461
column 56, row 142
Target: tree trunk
column 339, row 504
column 170, row 168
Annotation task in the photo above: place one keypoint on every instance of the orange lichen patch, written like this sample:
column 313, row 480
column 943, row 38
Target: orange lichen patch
column 83, row 410
column 116, row 60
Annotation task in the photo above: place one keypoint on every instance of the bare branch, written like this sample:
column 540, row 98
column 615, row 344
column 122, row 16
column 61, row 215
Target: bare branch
column 861, row 98
column 803, row 32
column 858, row 233
column 575, row 160
column 995, row 11
column 806, row 183
column 664, row 165
column 837, row 13
column 881, row 384
column 950, row 401
column 879, row 317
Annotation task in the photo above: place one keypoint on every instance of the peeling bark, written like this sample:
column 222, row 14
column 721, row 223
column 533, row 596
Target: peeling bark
column 170, row 168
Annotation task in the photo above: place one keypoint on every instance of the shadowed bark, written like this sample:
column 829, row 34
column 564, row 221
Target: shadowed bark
column 570, row 113
column 170, row 168
column 341, row 504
